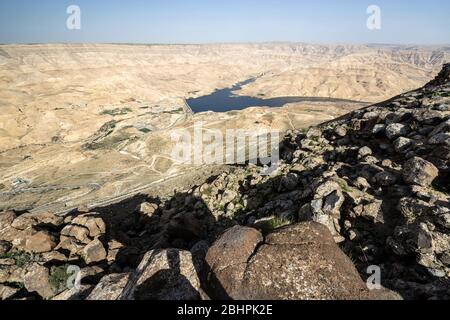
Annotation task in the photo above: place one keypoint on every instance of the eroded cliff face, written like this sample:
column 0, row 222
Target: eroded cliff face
column 375, row 181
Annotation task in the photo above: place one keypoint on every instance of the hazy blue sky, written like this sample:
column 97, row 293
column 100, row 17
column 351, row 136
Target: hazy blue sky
column 200, row 21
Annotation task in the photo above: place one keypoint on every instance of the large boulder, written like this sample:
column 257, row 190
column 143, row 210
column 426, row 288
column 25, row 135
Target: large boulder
column 394, row 130
column 6, row 219
column 297, row 262
column 227, row 260
column 164, row 275
column 94, row 252
column 75, row 293
column 37, row 279
column 419, row 172
column 28, row 220
column 40, row 242
column 110, row 287
column 7, row 292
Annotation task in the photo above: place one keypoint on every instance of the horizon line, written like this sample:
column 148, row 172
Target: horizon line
column 227, row 43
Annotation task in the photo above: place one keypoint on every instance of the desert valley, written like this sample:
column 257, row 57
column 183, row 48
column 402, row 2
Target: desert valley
column 87, row 176
column 81, row 124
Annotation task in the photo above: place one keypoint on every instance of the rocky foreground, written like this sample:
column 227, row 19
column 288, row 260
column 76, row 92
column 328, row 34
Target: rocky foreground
column 369, row 189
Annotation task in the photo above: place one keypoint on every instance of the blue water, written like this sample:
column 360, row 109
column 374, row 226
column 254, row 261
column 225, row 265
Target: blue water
column 225, row 100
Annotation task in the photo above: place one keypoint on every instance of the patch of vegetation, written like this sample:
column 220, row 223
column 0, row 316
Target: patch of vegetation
column 116, row 112
column 179, row 110
column 20, row 258
column 436, row 95
column 344, row 186
column 57, row 139
column 145, row 130
column 207, row 191
column 58, row 277
column 269, row 117
column 17, row 285
column 109, row 142
column 270, row 225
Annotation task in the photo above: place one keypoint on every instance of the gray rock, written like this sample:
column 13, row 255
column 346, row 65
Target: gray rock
column 227, row 259
column 420, row 172
column 93, row 222
column 28, row 220
column 289, row 182
column 441, row 128
column 371, row 115
column 6, row 219
column 94, row 252
column 314, row 132
column 362, row 183
column 325, row 207
column 164, row 275
column 298, row 262
column 340, row 131
column 445, row 258
column 444, row 221
column 442, row 152
column 443, row 107
column 440, row 138
column 7, row 292
column 372, row 211
column 37, row 279
column 395, row 130
column 40, row 242
column 333, row 203
column 424, row 239
column 437, row 273
column 402, row 144
column 16, row 237
column 385, row 178
column 78, row 233
column 147, row 209
column 75, row 293
column 371, row 160
column 53, row 256
column 379, row 128
column 110, row 287
column 364, row 152
column 228, row 196
column 326, row 188
column 411, row 209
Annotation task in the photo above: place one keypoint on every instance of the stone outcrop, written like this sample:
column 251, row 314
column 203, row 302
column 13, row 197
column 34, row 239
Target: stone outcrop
column 164, row 275
column 297, row 262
